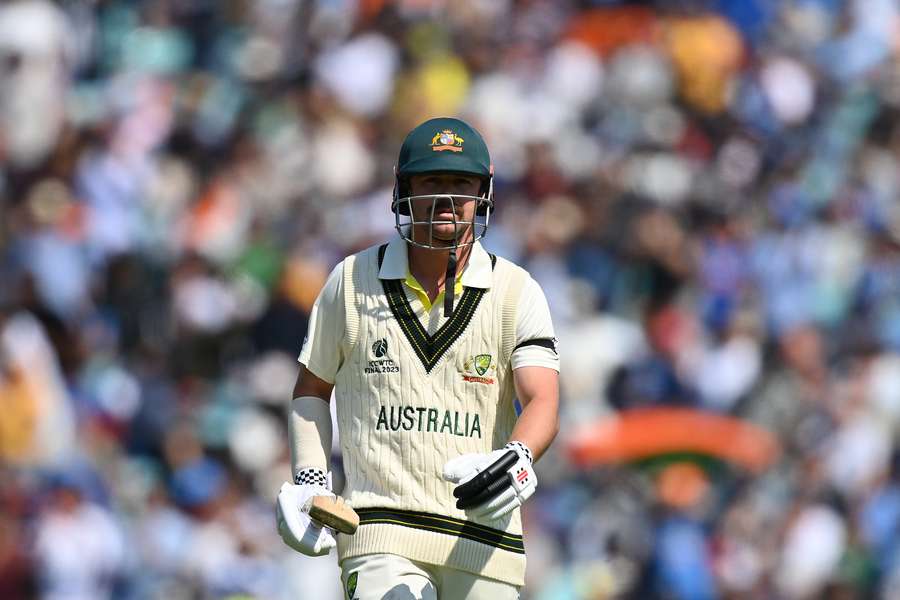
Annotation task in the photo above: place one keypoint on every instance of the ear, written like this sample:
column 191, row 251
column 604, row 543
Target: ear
column 401, row 190
column 486, row 182
column 485, row 185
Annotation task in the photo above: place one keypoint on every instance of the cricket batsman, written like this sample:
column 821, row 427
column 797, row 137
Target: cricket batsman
column 426, row 341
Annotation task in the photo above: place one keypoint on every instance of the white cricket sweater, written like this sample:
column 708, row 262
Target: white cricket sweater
column 408, row 402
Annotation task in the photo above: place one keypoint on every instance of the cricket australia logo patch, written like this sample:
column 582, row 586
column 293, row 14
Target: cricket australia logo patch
column 352, row 580
column 380, row 363
column 479, row 369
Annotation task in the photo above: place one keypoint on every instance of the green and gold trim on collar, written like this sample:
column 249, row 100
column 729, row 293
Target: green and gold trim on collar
column 428, row 348
column 441, row 524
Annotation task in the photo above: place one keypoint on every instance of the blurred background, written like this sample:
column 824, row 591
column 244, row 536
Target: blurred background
column 706, row 190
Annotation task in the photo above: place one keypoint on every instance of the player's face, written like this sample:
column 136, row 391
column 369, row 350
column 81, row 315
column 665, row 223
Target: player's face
column 458, row 203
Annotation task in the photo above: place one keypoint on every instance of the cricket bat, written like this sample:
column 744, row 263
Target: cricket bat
column 334, row 513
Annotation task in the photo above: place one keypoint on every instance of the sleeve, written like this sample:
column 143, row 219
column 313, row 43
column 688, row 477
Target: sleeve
column 535, row 340
column 322, row 352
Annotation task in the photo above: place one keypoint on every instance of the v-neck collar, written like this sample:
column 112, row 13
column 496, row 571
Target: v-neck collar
column 429, row 348
column 479, row 271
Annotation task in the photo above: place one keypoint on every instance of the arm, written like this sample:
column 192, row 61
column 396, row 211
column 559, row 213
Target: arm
column 310, row 385
column 309, row 418
column 535, row 365
column 309, row 432
column 538, row 391
column 309, row 425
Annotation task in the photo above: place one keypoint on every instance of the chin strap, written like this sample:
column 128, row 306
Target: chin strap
column 450, row 283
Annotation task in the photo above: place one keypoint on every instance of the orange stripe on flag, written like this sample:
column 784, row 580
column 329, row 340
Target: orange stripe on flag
column 647, row 432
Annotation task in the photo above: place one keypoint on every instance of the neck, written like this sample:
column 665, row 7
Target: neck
column 429, row 267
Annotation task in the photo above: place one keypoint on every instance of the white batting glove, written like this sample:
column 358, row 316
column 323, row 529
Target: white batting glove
column 492, row 485
column 295, row 527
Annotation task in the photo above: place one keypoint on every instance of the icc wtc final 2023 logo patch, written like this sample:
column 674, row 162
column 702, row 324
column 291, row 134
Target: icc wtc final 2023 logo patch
column 446, row 140
column 381, row 363
column 479, row 369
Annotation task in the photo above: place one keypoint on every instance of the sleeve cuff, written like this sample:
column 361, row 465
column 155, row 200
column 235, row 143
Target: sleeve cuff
column 535, row 356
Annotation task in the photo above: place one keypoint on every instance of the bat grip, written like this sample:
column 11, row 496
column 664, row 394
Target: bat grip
column 486, row 477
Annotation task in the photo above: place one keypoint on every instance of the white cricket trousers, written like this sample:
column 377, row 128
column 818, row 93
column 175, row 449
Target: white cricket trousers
column 392, row 577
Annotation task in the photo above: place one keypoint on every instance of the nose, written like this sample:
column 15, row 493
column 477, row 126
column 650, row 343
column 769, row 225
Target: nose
column 444, row 203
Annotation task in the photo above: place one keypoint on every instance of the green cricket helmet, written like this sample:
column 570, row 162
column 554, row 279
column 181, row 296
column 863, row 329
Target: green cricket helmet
column 443, row 145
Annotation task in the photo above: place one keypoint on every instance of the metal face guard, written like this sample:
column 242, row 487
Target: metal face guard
column 406, row 224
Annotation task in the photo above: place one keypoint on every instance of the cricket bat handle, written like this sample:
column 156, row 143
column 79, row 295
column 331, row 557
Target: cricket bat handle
column 333, row 512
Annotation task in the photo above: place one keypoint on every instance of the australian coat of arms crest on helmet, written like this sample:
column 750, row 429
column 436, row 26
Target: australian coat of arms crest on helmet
column 446, row 140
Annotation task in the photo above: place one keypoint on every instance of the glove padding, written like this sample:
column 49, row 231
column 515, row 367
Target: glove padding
column 491, row 485
column 295, row 526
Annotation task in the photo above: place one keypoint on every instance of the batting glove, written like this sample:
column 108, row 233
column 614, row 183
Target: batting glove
column 492, row 485
column 295, row 527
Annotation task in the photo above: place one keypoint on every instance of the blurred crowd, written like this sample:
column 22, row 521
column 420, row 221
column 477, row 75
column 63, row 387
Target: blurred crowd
column 706, row 190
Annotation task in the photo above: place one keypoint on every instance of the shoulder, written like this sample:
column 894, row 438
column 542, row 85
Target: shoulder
column 508, row 271
column 368, row 256
column 333, row 290
column 346, row 274
column 505, row 267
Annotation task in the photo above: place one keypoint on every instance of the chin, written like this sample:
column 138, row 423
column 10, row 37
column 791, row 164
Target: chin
column 444, row 236
column 449, row 240
column 447, row 235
